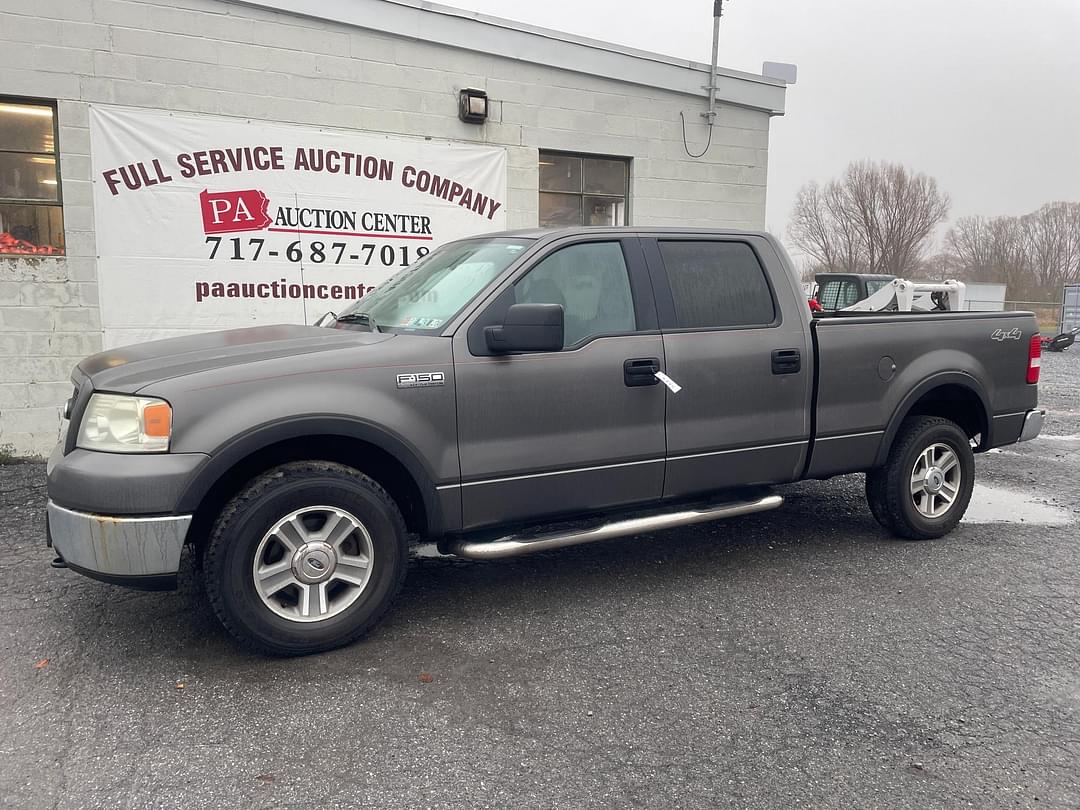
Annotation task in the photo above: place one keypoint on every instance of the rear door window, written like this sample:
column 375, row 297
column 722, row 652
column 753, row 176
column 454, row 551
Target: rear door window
column 717, row 284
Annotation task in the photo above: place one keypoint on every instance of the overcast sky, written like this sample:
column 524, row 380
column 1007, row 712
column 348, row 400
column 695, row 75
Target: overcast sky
column 984, row 95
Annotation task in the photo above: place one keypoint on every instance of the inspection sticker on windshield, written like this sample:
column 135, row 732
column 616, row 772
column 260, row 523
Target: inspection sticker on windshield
column 411, row 322
column 673, row 386
column 421, row 379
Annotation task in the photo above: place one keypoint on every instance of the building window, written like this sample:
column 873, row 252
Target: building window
column 582, row 190
column 31, row 216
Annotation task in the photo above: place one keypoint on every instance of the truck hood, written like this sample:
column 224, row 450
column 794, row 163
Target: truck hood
column 129, row 368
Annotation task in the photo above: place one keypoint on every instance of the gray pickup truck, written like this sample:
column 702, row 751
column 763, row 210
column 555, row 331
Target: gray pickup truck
column 513, row 393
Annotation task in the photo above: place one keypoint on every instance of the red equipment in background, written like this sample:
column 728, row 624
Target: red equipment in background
column 9, row 244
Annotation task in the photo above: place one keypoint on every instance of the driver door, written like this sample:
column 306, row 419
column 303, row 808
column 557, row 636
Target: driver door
column 562, row 433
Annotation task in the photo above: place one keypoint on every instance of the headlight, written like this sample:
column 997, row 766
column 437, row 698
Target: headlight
column 119, row 423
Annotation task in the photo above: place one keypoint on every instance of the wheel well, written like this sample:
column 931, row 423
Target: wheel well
column 369, row 459
column 957, row 404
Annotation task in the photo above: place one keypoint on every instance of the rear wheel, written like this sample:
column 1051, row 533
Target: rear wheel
column 306, row 558
column 924, row 487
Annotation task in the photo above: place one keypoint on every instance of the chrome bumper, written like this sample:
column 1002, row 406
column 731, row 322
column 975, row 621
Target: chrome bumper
column 1033, row 423
column 117, row 549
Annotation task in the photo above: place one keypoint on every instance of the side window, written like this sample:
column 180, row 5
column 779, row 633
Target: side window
column 829, row 296
column 838, row 294
column 717, row 284
column 875, row 284
column 591, row 282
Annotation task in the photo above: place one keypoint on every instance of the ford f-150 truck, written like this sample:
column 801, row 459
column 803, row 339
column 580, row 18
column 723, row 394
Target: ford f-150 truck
column 514, row 393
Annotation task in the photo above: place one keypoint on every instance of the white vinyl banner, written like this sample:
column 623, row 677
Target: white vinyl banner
column 207, row 222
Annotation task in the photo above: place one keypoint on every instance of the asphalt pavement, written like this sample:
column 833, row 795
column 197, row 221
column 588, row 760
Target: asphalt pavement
column 797, row 658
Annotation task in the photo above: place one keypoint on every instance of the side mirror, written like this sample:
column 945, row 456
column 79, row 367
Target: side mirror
column 528, row 328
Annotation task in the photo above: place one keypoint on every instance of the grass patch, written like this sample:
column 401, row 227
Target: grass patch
column 7, row 454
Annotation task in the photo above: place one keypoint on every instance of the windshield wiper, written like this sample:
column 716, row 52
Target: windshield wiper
column 359, row 317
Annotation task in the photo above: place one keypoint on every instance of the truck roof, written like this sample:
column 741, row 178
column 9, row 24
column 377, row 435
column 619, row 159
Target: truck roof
column 622, row 230
column 869, row 276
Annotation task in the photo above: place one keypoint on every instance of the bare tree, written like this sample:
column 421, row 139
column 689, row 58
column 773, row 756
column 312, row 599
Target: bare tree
column 1053, row 237
column 876, row 218
column 1034, row 254
column 938, row 267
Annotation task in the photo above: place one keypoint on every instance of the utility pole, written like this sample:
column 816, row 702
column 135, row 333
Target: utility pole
column 718, row 12
column 710, row 114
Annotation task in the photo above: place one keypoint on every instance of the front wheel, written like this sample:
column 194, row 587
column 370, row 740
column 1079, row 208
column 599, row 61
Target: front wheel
column 924, row 487
column 306, row 558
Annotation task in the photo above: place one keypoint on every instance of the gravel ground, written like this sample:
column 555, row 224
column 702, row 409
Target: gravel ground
column 796, row 658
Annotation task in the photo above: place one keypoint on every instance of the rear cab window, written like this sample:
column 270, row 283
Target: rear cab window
column 717, row 285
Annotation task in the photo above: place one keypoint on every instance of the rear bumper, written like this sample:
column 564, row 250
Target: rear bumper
column 141, row 552
column 1033, row 423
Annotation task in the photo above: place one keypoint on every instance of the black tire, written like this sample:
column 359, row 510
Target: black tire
column 230, row 555
column 875, row 494
column 888, row 489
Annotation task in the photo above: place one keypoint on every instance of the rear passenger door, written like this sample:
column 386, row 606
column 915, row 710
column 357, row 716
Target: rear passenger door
column 739, row 348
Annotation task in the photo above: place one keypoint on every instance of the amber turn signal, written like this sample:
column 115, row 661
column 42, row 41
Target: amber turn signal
column 157, row 420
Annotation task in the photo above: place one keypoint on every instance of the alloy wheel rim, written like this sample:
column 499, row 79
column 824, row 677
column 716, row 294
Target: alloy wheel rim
column 935, row 480
column 313, row 564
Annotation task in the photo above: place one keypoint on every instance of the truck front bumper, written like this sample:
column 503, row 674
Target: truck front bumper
column 1033, row 423
column 114, row 516
column 140, row 552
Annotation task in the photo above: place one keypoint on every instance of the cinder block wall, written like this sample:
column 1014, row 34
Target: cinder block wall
column 217, row 57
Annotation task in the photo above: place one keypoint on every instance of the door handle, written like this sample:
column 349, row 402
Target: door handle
column 786, row 361
column 641, row 371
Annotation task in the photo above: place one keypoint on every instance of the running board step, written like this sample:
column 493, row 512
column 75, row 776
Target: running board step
column 516, row 544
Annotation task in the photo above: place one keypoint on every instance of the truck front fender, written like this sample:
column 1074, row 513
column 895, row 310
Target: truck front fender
column 264, row 436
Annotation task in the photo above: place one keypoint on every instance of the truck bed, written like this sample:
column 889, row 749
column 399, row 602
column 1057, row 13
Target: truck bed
column 870, row 368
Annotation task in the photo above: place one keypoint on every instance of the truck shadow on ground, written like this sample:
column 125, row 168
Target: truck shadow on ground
column 445, row 595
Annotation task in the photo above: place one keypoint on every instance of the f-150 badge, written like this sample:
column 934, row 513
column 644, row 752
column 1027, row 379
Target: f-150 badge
column 1012, row 334
column 421, row 379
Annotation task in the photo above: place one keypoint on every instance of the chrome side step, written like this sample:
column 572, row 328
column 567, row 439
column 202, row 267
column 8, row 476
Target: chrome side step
column 517, row 544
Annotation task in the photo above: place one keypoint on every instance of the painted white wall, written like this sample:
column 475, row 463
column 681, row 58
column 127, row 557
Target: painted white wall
column 219, row 57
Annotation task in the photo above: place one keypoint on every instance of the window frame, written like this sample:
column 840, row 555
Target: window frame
column 642, row 295
column 31, row 101
column 581, row 195
column 665, row 300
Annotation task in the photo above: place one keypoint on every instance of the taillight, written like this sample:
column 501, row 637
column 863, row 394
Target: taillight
column 1034, row 358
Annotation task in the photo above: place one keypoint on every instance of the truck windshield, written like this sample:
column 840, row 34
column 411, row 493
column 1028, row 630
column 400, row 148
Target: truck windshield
column 428, row 293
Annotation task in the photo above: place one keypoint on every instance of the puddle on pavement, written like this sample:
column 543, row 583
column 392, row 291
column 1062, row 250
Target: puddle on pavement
column 995, row 505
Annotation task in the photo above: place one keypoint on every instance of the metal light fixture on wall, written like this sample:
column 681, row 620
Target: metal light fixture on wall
column 472, row 106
